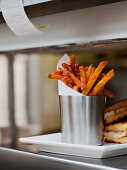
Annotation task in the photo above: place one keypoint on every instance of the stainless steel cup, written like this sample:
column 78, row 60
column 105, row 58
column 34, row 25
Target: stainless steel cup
column 82, row 119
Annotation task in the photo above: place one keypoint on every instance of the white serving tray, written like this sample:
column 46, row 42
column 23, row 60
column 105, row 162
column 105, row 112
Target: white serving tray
column 53, row 143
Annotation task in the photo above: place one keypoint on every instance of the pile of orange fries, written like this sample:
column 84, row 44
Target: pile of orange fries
column 88, row 80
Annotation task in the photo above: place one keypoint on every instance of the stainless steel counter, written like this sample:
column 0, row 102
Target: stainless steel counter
column 19, row 160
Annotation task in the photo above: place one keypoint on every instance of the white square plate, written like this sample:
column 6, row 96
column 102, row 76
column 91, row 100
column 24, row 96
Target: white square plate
column 53, row 143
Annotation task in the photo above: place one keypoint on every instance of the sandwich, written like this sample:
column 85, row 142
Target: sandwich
column 115, row 118
column 116, row 133
column 116, row 112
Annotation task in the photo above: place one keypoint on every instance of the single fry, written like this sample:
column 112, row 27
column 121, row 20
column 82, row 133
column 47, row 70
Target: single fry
column 108, row 93
column 102, row 82
column 65, row 72
column 92, row 71
column 76, row 70
column 72, row 61
column 75, row 88
column 67, row 80
column 82, row 77
column 88, row 72
column 100, row 93
column 68, row 67
column 58, row 77
column 75, row 79
column 65, row 66
column 59, row 72
column 94, row 77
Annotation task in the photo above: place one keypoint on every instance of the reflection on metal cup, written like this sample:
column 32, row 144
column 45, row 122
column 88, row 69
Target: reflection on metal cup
column 82, row 119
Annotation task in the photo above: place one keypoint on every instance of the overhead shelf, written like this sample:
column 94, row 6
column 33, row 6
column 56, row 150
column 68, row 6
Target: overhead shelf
column 33, row 2
column 37, row 8
column 72, row 22
column 79, row 26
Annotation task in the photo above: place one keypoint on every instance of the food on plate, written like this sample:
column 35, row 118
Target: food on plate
column 116, row 112
column 118, row 105
column 116, row 133
column 115, row 122
column 88, row 80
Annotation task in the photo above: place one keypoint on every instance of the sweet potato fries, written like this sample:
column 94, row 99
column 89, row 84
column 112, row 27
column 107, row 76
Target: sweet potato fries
column 88, row 80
